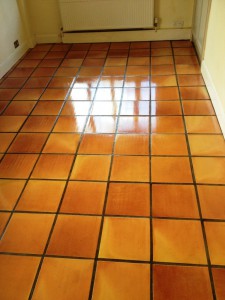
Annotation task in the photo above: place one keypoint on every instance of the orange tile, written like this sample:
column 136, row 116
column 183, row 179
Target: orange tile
column 212, row 201
column 19, row 108
column 138, row 61
column 174, row 201
column 190, row 80
column 84, row 94
column 54, row 94
column 93, row 62
column 218, row 277
column 8, row 94
column 118, row 53
column 215, row 235
column 98, row 124
column 126, row 281
column 165, row 108
column 181, row 282
column 188, row 69
column 91, row 167
column 130, row 168
column 133, row 124
column 162, row 70
column 165, row 80
column 12, row 83
column 125, row 238
column 73, row 108
column 44, row 72
column 21, row 72
column 202, row 124
column 28, row 143
column 111, row 81
column 11, row 124
column 41, row 196
column 47, row 108
column 73, row 278
column 162, row 60
column 4, row 217
column 164, row 93
column 29, row 63
column 70, row 124
column 170, row 243
column 195, row 93
column 36, row 55
column 72, row 62
column 27, row 233
column 55, row 54
column 53, row 166
column 50, row 63
column 164, row 144
column 66, row 72
column 161, row 51
column 90, row 71
column 106, row 108
column 139, row 45
column 17, row 165
column 96, row 144
column 186, row 60
column 137, row 82
column 136, row 94
column 99, row 46
column 61, row 82
column 108, row 94
column 29, row 94
column 62, row 143
column 139, row 52
column 97, row 54
column 207, row 145
column 17, row 275
column 209, row 170
column 128, row 199
column 132, row 144
column 114, row 71
column 120, row 45
column 10, row 192
column 85, row 83
column 83, row 197
column 6, row 139
column 203, row 107
column 167, row 124
column 81, row 46
column 3, row 105
column 41, row 47
column 60, row 47
column 75, row 236
column 171, row 169
column 114, row 61
column 76, row 54
column 39, row 124
column 137, row 70
column 182, row 44
column 160, row 44
column 132, row 108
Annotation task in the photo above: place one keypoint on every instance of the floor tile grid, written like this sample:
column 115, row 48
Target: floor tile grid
column 196, row 192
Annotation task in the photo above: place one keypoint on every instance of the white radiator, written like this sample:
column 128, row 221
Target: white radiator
column 81, row 15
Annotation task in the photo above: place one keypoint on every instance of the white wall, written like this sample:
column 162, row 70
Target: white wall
column 11, row 29
column 213, row 66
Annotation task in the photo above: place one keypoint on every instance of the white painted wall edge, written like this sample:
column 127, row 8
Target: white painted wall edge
column 8, row 63
column 216, row 101
column 127, row 36
column 47, row 38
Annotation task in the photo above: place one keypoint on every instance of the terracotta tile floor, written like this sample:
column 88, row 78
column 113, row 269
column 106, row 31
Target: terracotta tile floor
column 112, row 175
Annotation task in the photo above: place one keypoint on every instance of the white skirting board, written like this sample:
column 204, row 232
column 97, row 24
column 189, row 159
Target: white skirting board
column 8, row 63
column 216, row 101
column 127, row 36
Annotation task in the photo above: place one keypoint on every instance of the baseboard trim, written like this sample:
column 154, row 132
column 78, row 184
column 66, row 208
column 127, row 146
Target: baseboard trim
column 126, row 36
column 216, row 101
column 48, row 38
column 8, row 63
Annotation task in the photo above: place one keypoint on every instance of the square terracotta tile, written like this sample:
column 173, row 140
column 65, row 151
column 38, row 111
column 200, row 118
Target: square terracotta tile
column 137, row 70
column 28, row 143
column 130, row 168
column 198, row 108
column 209, row 170
column 215, row 235
column 17, row 165
column 96, row 144
column 167, row 124
column 74, row 108
column 118, row 53
column 83, row 197
column 4, row 217
column 137, row 82
column 164, row 93
column 98, row 124
column 126, row 281
column 3, row 105
column 218, row 277
column 160, row 44
column 136, row 94
column 195, row 93
column 72, row 62
column 138, row 61
column 132, row 108
column 162, row 70
column 90, row 71
column 165, row 108
column 180, row 282
column 170, row 243
column 53, row 166
column 29, row 94
column 162, row 60
column 91, row 167
column 39, row 124
column 169, row 144
column 62, row 143
column 174, row 201
column 11, row 124
column 60, row 47
column 139, row 52
column 93, row 62
column 132, row 144
column 114, row 71
column 29, row 63
column 47, row 63
column 188, row 69
column 75, row 236
column 41, row 196
column 27, row 233
column 73, row 278
column 125, row 238
column 186, row 60
column 55, row 54
column 106, row 108
column 133, row 124
column 19, row 108
column 86, row 82
column 10, row 192
column 207, row 145
column 184, row 51
column 120, row 45
column 21, row 72
column 84, row 94
column 51, row 108
column 182, row 44
column 161, row 51
column 17, row 275
column 139, row 45
column 97, row 54
column 128, row 199
column 55, row 94
column 70, row 124
column 165, row 80
column 190, row 80
column 114, row 61
column 61, row 82
column 44, row 72
column 108, row 94
column 36, row 55
column 76, row 54
column 66, row 72
column 12, row 83
column 212, row 201
column 171, row 169
column 111, row 81
column 81, row 46
column 6, row 139
column 202, row 124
